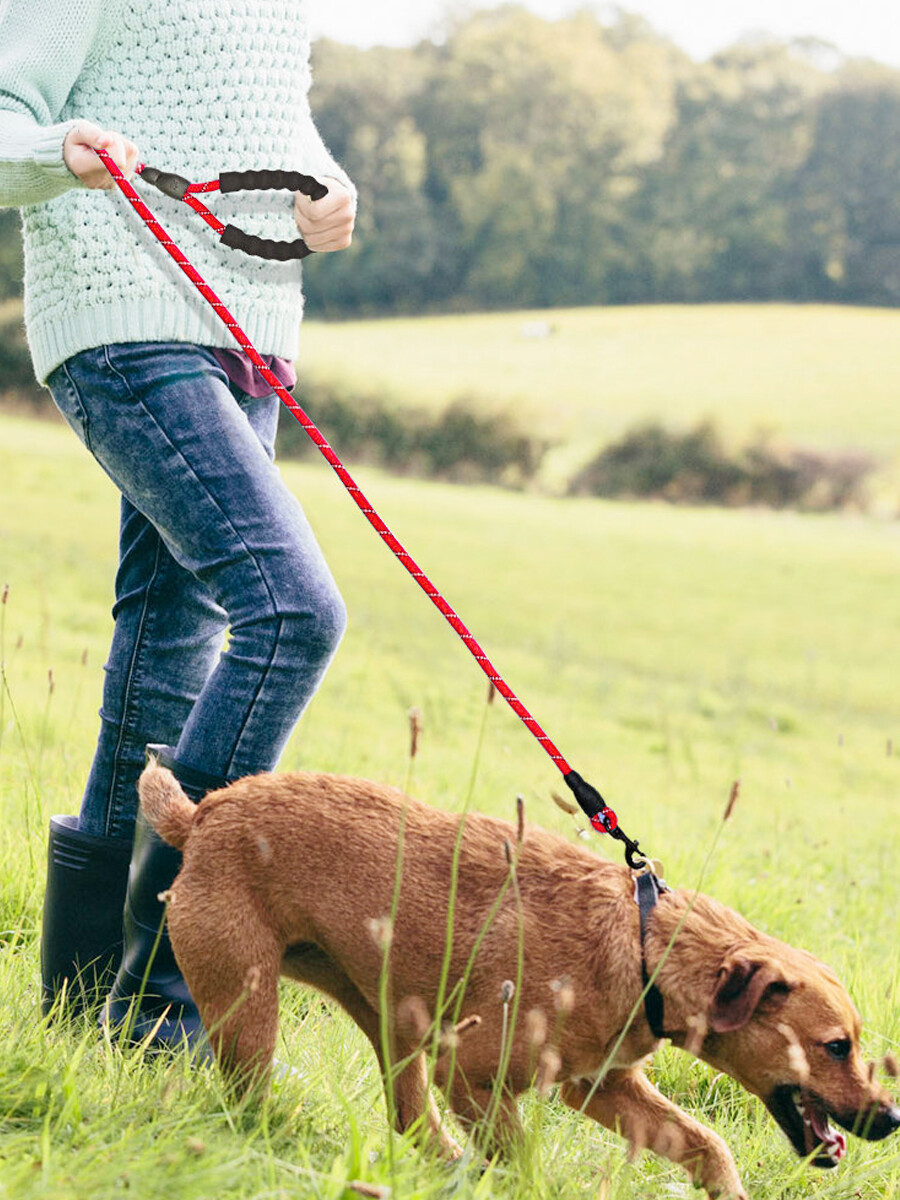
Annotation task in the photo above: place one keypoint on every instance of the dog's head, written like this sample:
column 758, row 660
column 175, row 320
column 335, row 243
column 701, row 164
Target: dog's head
column 782, row 1025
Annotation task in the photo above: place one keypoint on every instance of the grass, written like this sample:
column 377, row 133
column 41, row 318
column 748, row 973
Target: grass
column 668, row 652
column 824, row 377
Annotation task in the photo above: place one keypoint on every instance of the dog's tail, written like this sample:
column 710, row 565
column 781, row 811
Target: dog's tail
column 165, row 805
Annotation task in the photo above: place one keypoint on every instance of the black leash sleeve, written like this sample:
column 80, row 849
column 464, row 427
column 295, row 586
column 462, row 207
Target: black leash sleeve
column 267, row 181
column 259, row 247
column 272, row 181
column 167, row 182
column 589, row 799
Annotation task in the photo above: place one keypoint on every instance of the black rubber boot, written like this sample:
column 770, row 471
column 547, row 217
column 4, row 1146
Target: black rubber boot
column 81, row 935
column 149, row 995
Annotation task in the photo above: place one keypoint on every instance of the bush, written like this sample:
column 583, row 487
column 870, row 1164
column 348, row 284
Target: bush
column 456, row 444
column 694, row 468
column 17, row 382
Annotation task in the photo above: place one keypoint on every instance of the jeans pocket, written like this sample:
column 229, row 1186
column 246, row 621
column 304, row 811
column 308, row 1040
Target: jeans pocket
column 67, row 399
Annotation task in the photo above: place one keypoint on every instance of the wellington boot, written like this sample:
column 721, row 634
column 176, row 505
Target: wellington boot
column 81, row 936
column 149, row 998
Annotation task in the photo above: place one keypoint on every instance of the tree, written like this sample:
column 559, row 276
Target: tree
column 847, row 211
column 716, row 210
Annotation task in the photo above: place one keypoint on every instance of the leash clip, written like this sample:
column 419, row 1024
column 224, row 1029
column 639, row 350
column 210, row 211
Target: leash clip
column 634, row 855
column 603, row 819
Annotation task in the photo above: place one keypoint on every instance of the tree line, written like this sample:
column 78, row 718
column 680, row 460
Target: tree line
column 518, row 162
column 521, row 162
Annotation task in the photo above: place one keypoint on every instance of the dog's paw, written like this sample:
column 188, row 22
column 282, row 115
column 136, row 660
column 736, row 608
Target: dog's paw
column 717, row 1173
column 733, row 1191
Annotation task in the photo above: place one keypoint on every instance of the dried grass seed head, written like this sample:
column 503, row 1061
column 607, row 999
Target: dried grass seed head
column 549, row 1067
column 381, row 931
column 415, row 731
column 413, row 1017
column 536, row 1026
column 466, row 1024
column 563, row 996
column 732, row 799
column 566, row 805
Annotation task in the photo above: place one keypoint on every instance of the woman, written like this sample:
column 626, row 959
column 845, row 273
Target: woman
column 211, row 540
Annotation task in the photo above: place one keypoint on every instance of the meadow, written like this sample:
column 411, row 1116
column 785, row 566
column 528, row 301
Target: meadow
column 669, row 652
column 823, row 377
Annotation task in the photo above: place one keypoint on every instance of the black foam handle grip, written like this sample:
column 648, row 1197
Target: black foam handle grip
column 272, row 181
column 259, row 247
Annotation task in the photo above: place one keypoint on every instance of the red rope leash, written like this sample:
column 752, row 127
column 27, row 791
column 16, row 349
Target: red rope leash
column 602, row 818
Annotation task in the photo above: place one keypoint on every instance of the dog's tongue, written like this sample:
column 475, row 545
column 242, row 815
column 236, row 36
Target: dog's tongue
column 820, row 1132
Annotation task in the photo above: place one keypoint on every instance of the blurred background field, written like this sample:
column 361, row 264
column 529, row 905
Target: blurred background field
column 817, row 377
column 823, row 375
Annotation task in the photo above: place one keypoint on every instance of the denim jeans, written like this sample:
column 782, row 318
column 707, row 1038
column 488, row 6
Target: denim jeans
column 226, row 614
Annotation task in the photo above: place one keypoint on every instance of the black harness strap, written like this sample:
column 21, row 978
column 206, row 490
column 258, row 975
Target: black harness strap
column 647, row 890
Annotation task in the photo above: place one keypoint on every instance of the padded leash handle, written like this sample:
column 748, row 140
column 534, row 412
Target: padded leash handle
column 268, row 181
column 272, row 181
column 176, row 187
column 236, row 239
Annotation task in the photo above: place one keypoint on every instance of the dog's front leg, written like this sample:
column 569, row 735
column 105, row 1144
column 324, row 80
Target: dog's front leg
column 412, row 1096
column 628, row 1103
column 413, row 1101
column 493, row 1115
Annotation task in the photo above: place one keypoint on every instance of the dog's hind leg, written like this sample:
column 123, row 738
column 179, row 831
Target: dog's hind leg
column 412, row 1097
column 628, row 1103
column 231, row 967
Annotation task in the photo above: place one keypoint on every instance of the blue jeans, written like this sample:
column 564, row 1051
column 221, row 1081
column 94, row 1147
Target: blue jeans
column 226, row 614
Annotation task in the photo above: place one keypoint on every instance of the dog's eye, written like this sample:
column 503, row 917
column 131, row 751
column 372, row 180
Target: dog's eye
column 839, row 1049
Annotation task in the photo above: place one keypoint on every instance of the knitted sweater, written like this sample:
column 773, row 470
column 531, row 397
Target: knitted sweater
column 200, row 86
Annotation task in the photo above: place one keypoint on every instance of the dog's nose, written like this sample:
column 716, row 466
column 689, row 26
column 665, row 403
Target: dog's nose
column 885, row 1122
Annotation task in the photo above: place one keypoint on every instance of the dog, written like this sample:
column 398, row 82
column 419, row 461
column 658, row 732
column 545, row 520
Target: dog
column 545, row 964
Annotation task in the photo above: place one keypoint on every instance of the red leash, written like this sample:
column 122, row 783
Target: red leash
column 602, row 818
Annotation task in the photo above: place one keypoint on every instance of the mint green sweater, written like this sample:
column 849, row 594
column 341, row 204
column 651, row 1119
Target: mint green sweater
column 200, row 86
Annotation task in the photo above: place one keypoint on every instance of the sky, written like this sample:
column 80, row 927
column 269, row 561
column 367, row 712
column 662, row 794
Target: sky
column 868, row 28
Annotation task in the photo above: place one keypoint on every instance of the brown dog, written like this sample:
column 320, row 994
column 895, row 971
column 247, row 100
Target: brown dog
column 295, row 875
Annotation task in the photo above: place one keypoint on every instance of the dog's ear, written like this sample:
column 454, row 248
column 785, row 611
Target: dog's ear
column 741, row 986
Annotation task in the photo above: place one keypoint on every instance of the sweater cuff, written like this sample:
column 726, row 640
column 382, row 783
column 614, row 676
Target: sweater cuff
column 48, row 151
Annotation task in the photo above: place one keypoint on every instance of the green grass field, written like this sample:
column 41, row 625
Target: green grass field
column 669, row 652
column 823, row 377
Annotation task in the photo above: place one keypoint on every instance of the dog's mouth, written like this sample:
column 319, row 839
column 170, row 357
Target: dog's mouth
column 804, row 1118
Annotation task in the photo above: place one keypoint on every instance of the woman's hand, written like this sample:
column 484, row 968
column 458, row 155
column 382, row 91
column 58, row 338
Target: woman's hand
column 79, row 156
column 326, row 224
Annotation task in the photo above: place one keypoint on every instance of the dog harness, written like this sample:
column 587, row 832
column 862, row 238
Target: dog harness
column 600, row 815
column 647, row 890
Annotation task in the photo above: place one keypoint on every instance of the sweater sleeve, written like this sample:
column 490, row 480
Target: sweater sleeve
column 315, row 157
column 43, row 47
